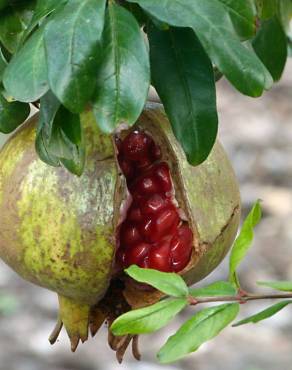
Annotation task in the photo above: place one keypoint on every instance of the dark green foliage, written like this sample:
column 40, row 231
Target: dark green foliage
column 94, row 54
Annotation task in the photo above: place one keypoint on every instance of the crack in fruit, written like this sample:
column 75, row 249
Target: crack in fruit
column 153, row 235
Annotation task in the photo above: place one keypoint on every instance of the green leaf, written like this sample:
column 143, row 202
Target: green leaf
column 123, row 76
column 203, row 326
column 60, row 144
column 213, row 26
column 270, row 44
column 3, row 4
column 63, row 131
column 49, row 106
column 285, row 286
column 267, row 8
column 178, row 59
column 242, row 14
column 265, row 314
column 42, row 10
column 138, row 13
column 3, row 64
column 243, row 241
column 77, row 163
column 59, row 136
column 219, row 288
column 72, row 47
column 148, row 319
column 12, row 115
column 13, row 21
column 168, row 283
column 25, row 77
column 44, row 155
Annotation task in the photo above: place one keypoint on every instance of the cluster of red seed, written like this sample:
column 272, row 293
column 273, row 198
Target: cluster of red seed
column 152, row 235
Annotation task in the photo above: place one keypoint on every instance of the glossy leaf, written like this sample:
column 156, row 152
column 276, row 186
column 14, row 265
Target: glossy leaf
column 12, row 115
column 59, row 136
column 77, row 163
column 13, row 21
column 148, row 319
column 270, row 44
column 71, row 155
column 219, row 288
column 138, row 13
column 243, row 241
column 42, row 10
column 65, row 134
column 203, row 326
column 25, row 77
column 123, row 76
column 213, row 26
column 285, row 286
column 49, row 106
column 42, row 151
column 72, row 47
column 265, row 314
column 178, row 60
column 242, row 14
column 168, row 283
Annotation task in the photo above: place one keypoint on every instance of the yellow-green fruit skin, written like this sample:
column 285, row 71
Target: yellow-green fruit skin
column 57, row 229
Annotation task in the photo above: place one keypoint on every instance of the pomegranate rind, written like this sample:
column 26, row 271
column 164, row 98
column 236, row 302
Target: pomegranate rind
column 57, row 229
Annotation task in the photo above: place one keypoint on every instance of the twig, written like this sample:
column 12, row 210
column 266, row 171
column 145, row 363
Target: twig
column 193, row 301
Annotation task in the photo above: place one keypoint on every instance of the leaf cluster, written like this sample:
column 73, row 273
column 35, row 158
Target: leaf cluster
column 70, row 55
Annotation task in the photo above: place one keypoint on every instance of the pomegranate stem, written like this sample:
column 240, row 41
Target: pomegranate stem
column 193, row 301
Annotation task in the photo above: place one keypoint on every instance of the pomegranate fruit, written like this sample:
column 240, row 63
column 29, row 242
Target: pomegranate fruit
column 137, row 202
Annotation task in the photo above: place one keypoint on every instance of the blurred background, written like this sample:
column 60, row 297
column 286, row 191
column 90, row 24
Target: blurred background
column 257, row 134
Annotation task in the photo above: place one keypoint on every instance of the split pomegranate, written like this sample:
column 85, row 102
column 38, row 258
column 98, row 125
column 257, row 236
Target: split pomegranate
column 153, row 235
column 56, row 229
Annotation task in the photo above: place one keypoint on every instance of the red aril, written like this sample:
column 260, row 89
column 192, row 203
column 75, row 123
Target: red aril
column 135, row 214
column 129, row 234
column 136, row 145
column 159, row 257
column 136, row 254
column 153, row 204
column 145, row 228
column 181, row 247
column 150, row 236
column 145, row 263
column 143, row 165
column 166, row 221
column 162, row 174
column 145, row 185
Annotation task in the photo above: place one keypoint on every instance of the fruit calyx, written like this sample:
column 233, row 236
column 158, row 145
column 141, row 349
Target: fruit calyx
column 153, row 233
